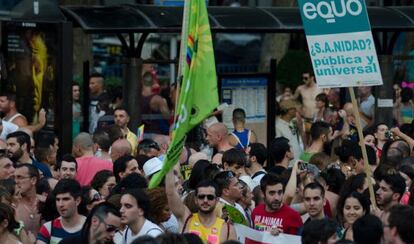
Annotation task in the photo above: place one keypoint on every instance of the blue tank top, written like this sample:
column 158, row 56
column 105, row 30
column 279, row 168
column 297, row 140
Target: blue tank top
column 243, row 138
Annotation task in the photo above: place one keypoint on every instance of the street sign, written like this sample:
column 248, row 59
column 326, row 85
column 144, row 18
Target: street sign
column 340, row 43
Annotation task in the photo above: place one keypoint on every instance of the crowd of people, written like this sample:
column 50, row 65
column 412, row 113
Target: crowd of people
column 311, row 181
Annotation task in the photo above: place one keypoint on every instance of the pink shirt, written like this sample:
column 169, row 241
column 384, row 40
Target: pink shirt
column 88, row 166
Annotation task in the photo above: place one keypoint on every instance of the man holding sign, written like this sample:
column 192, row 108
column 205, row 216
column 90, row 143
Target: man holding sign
column 273, row 216
column 342, row 50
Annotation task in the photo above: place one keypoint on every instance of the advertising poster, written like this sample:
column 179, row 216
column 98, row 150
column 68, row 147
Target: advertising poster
column 31, row 51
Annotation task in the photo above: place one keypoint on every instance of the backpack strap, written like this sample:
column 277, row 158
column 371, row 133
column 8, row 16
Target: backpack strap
column 228, row 230
column 258, row 173
column 186, row 222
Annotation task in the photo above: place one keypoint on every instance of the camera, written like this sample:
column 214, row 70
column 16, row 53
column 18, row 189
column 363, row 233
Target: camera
column 389, row 135
column 302, row 165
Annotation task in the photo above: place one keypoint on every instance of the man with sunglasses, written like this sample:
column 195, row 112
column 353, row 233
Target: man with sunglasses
column 307, row 92
column 101, row 226
column 149, row 147
column 230, row 192
column 69, row 223
column 205, row 222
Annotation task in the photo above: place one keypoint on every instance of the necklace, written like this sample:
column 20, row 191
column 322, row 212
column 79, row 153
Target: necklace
column 30, row 210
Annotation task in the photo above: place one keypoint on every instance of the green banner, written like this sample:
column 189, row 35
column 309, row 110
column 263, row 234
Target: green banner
column 198, row 93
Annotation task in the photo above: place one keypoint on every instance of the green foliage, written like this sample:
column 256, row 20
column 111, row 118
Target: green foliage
column 290, row 68
column 78, row 79
column 113, row 81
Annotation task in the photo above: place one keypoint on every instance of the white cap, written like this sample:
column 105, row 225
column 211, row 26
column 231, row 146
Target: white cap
column 152, row 166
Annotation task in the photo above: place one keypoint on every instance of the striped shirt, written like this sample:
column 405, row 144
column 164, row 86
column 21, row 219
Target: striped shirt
column 53, row 232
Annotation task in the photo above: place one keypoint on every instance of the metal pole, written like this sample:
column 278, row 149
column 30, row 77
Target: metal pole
column 133, row 95
column 173, row 55
column 383, row 112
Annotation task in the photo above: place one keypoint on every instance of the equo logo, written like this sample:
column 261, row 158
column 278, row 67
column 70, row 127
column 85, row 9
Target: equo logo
column 329, row 10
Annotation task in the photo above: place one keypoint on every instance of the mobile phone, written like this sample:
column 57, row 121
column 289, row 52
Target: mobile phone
column 302, row 165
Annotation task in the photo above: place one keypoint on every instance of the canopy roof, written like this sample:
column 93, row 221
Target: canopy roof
column 165, row 19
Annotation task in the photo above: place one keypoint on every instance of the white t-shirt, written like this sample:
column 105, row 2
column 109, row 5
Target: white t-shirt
column 8, row 128
column 258, row 178
column 283, row 128
column 367, row 107
column 171, row 225
column 248, row 180
column 148, row 228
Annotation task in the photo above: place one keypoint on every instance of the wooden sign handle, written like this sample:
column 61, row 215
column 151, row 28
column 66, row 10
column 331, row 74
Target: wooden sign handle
column 363, row 148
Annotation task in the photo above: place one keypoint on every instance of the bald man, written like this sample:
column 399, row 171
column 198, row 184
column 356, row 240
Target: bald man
column 88, row 164
column 120, row 148
column 217, row 137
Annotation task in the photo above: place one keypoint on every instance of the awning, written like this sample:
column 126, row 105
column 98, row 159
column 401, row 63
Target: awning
column 165, row 19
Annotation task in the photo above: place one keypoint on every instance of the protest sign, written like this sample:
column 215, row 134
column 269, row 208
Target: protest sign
column 340, row 43
column 248, row 235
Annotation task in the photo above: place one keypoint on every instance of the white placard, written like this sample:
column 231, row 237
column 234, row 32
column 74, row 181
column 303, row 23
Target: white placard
column 244, row 232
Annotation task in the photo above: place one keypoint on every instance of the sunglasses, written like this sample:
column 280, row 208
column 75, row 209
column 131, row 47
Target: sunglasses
column 305, row 77
column 109, row 228
column 153, row 145
column 96, row 197
column 209, row 197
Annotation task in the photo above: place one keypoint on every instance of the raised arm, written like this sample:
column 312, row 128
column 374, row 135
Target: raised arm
column 174, row 201
column 40, row 124
column 396, row 131
column 290, row 189
column 159, row 103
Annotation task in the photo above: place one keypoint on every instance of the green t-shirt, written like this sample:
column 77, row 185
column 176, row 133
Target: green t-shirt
column 306, row 156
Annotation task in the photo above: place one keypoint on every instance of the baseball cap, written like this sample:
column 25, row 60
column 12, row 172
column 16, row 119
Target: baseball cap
column 152, row 166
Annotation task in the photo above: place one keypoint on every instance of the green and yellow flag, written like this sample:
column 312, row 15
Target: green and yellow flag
column 198, row 94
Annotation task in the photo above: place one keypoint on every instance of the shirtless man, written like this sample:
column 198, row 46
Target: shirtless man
column 308, row 92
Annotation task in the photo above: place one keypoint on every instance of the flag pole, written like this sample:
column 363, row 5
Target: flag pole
column 182, row 57
column 363, row 148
